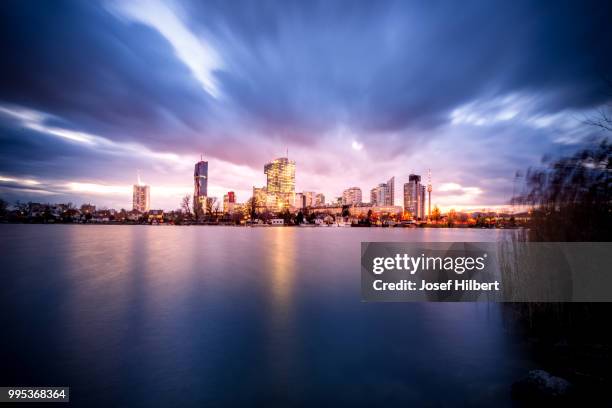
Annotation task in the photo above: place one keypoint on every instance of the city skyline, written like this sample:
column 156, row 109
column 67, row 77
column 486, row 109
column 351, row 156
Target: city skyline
column 280, row 191
column 141, row 200
column 398, row 88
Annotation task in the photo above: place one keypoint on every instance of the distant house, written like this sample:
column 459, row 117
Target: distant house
column 277, row 221
column 35, row 209
column 88, row 208
column 102, row 216
column 133, row 215
column 72, row 214
column 155, row 216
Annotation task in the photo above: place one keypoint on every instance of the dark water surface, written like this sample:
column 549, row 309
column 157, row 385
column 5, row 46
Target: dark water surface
column 208, row 316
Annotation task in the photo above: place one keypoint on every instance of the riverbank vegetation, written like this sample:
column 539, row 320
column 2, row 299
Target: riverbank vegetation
column 570, row 200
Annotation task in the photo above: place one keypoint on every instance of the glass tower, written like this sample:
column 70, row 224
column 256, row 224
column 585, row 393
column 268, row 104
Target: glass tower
column 390, row 192
column 200, row 185
column 414, row 197
column 280, row 176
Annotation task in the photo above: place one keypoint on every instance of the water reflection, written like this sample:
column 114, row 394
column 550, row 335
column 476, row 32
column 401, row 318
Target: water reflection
column 140, row 316
column 280, row 258
column 282, row 341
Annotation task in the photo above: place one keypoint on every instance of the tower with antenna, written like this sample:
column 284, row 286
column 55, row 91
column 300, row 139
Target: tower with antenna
column 141, row 197
column 429, row 188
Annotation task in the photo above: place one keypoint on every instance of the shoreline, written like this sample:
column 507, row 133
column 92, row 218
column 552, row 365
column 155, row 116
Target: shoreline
column 260, row 225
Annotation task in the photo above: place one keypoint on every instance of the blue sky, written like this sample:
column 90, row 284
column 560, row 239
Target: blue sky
column 92, row 92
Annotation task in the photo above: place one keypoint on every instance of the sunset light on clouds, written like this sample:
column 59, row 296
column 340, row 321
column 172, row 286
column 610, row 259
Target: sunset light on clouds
column 356, row 92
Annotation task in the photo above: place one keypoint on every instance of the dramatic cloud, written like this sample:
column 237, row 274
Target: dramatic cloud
column 356, row 91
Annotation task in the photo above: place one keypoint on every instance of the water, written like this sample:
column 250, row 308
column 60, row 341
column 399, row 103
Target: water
column 207, row 316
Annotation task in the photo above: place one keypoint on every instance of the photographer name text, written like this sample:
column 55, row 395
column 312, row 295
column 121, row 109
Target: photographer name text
column 451, row 284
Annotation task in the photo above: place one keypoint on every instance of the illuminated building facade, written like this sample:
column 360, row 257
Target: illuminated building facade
column 155, row 216
column 200, row 186
column 259, row 196
column 309, row 198
column 229, row 202
column 389, row 192
column 414, row 197
column 377, row 195
column 351, row 196
column 300, row 201
column 384, row 193
column 319, row 199
column 140, row 198
column 361, row 210
column 280, row 176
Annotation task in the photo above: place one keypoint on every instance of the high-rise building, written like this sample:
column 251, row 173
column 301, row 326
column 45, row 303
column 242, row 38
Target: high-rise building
column 319, row 199
column 309, row 198
column 384, row 193
column 390, row 191
column 351, row 196
column 300, row 201
column 260, row 196
column 280, row 176
column 378, row 194
column 414, row 197
column 140, row 197
column 200, row 186
column 229, row 201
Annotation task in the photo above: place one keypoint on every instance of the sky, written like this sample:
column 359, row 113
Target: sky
column 93, row 93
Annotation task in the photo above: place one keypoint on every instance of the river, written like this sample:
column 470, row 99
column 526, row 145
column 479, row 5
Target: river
column 207, row 316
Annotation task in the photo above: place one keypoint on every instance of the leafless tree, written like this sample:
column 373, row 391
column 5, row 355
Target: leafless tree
column 217, row 210
column 603, row 118
column 210, row 205
column 252, row 208
column 186, row 204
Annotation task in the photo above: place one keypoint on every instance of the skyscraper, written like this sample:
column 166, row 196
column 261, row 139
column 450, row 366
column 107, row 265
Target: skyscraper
column 280, row 176
column 351, row 196
column 377, row 194
column 200, row 183
column 140, row 197
column 319, row 199
column 260, row 198
column 309, row 198
column 414, row 197
column 390, row 191
column 384, row 193
column 300, row 201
